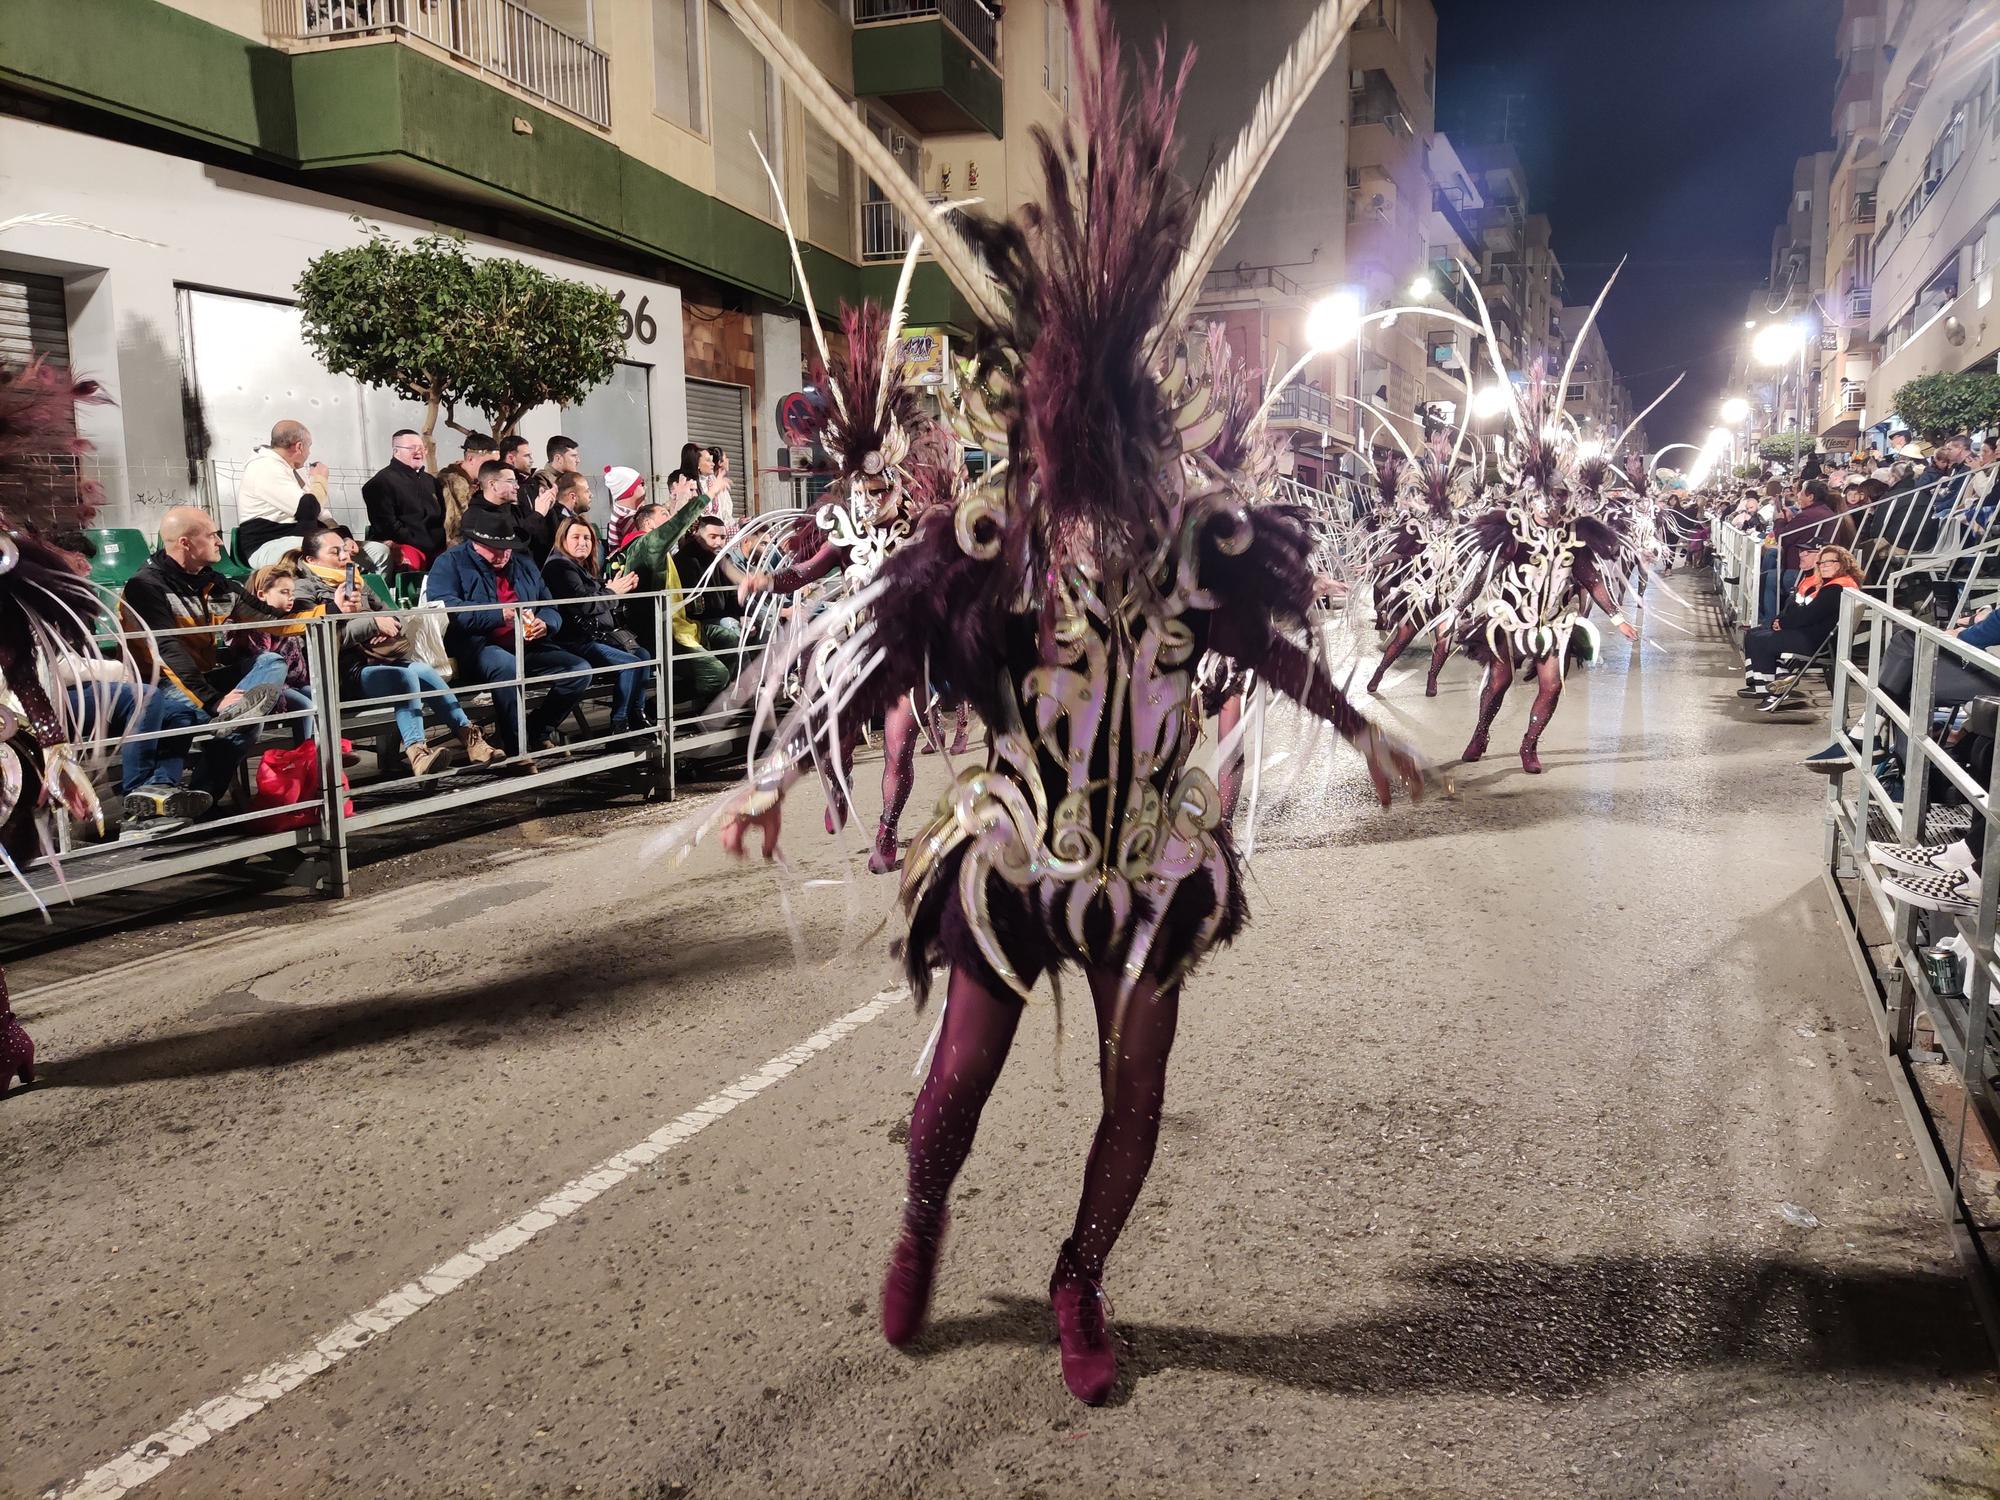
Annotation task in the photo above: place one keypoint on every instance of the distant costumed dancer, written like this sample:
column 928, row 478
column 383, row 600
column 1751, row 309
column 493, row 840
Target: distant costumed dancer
column 892, row 464
column 1068, row 595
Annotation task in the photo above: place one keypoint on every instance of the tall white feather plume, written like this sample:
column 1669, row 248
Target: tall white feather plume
column 1284, row 96
column 1632, row 426
column 1576, row 347
column 798, row 264
column 836, row 116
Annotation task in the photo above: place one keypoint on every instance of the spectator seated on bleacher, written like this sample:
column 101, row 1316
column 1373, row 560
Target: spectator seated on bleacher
column 591, row 629
column 488, row 570
column 698, row 677
column 198, row 685
column 1954, row 682
column 280, row 496
column 377, row 659
column 717, row 611
column 1805, row 623
column 406, row 506
column 281, row 635
column 460, row 482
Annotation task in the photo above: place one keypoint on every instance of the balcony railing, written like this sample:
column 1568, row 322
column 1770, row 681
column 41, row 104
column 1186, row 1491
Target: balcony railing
column 1237, row 281
column 1864, row 208
column 1301, row 403
column 1860, row 302
column 1853, row 398
column 885, row 233
column 500, row 37
column 969, row 18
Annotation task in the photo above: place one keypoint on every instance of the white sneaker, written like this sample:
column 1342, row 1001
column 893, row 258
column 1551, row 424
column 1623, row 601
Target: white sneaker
column 1923, row 859
column 1956, row 893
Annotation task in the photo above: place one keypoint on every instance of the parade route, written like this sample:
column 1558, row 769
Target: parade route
column 1473, row 1179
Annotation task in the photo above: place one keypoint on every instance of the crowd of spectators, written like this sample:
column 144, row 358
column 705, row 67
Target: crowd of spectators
column 1912, row 525
column 495, row 537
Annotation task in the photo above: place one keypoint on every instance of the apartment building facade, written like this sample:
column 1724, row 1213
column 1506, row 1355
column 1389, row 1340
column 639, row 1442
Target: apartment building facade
column 1938, row 196
column 1846, row 279
column 191, row 156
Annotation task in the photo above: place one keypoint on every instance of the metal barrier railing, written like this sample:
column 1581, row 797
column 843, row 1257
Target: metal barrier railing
column 112, row 705
column 1904, row 728
column 1738, row 567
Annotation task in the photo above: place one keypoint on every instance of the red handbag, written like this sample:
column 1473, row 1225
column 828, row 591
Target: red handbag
column 292, row 775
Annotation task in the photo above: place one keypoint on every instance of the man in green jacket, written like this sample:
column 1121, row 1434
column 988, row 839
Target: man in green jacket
column 698, row 676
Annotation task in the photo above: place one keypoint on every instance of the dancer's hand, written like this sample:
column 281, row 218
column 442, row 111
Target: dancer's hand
column 1391, row 760
column 765, row 821
column 1627, row 629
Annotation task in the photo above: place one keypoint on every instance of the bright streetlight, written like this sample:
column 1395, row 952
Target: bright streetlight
column 1421, row 288
column 1490, row 402
column 1734, row 410
column 1776, row 343
column 1704, row 465
column 1334, row 320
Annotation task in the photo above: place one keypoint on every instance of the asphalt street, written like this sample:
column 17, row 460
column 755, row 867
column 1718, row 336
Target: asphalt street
column 535, row 1168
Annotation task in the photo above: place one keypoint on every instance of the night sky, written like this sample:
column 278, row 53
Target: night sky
column 1661, row 129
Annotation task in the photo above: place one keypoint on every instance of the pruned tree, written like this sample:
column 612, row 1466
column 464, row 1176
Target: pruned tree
column 1939, row 406
column 436, row 326
column 1788, row 447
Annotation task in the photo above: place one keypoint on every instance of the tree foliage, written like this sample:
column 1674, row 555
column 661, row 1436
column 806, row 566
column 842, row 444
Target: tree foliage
column 1787, row 447
column 1936, row 407
column 435, row 325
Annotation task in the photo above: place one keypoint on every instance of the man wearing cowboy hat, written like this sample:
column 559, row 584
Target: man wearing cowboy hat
column 490, row 570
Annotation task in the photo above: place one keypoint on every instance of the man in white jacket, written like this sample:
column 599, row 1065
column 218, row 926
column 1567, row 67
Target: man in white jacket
column 280, row 497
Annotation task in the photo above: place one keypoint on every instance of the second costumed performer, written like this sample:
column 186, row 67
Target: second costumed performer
column 1069, row 596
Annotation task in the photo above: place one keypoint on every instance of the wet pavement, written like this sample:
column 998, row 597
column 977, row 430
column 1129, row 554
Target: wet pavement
column 1484, row 1170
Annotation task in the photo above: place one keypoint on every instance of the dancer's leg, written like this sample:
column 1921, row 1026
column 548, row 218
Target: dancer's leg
column 1132, row 1063
column 899, row 749
column 977, row 1030
column 1499, row 677
column 17, row 1048
column 1226, row 719
column 1398, row 642
column 1133, row 1068
column 961, row 740
column 1548, row 692
column 1440, row 654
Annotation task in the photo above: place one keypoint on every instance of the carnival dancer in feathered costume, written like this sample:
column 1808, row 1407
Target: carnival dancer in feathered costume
column 48, row 611
column 1536, row 562
column 1069, row 596
column 892, row 464
column 1423, row 496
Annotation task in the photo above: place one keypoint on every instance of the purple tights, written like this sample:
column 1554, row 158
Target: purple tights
column 978, row 1030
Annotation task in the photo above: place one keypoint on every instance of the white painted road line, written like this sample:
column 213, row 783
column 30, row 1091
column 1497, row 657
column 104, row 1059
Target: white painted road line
column 150, row 1456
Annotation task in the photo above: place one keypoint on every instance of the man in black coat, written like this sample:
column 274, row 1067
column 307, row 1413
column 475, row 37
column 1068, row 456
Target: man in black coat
column 405, row 505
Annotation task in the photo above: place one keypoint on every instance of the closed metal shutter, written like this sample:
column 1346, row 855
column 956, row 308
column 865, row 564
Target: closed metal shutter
column 32, row 320
column 716, row 415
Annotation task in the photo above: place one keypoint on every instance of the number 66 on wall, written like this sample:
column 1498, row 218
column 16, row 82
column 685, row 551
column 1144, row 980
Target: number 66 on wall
column 637, row 322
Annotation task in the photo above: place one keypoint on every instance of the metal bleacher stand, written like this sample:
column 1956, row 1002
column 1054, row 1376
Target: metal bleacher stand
column 317, row 854
column 1940, row 1038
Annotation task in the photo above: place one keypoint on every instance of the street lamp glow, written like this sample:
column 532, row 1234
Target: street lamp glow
column 1734, row 410
column 1334, row 320
column 1490, row 402
column 1421, row 288
column 1776, row 343
column 1589, row 450
column 1704, row 465
column 1749, row 322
